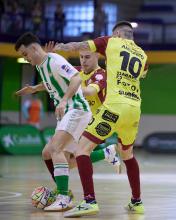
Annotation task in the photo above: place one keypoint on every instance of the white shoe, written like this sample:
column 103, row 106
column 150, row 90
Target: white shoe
column 61, row 204
column 112, row 157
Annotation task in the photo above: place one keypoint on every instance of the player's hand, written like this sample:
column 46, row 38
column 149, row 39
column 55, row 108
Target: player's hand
column 25, row 91
column 51, row 46
column 60, row 109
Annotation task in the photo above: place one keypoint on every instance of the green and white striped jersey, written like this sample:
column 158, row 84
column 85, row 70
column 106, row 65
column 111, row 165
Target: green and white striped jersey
column 56, row 73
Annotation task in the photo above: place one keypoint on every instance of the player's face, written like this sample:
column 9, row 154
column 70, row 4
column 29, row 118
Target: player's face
column 29, row 54
column 88, row 60
column 124, row 32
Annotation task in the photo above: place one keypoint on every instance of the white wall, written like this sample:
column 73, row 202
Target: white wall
column 155, row 123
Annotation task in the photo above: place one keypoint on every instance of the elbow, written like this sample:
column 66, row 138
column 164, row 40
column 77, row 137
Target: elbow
column 77, row 78
column 80, row 80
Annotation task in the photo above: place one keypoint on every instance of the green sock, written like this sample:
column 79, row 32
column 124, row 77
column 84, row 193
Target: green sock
column 97, row 155
column 61, row 175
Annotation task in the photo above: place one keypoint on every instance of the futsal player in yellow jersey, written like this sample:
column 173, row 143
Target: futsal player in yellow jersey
column 97, row 80
column 94, row 89
column 120, row 112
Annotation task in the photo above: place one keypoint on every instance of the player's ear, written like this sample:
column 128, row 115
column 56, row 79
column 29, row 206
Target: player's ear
column 34, row 47
column 116, row 33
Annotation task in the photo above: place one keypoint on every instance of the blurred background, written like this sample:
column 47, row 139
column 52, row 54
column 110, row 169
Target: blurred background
column 154, row 22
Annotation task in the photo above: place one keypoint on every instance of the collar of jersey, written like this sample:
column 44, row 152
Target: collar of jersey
column 92, row 70
column 45, row 58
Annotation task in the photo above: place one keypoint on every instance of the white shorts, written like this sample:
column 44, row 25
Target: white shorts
column 74, row 122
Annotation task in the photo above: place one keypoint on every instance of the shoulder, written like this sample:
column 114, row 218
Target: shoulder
column 56, row 58
column 100, row 71
column 139, row 47
column 99, row 74
column 58, row 62
column 102, row 39
column 140, row 50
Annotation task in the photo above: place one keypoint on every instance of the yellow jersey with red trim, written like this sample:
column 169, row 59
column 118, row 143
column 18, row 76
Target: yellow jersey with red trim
column 96, row 79
column 125, row 65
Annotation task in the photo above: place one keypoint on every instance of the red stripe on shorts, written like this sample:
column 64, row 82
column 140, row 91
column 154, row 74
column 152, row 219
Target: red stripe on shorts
column 92, row 138
column 125, row 147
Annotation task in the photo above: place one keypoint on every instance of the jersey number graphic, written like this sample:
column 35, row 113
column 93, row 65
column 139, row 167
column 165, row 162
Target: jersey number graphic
column 130, row 63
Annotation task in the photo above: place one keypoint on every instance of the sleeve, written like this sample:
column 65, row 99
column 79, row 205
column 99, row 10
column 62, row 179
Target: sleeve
column 62, row 67
column 99, row 44
column 98, row 80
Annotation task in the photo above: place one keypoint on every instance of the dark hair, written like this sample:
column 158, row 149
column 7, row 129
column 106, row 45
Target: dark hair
column 26, row 39
column 122, row 23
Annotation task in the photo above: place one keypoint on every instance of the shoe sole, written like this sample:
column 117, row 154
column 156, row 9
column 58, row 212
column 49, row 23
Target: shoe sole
column 133, row 211
column 81, row 214
column 59, row 210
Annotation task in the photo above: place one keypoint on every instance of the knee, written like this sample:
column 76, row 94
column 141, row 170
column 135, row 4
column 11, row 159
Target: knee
column 56, row 149
column 67, row 155
column 82, row 151
column 85, row 147
column 51, row 149
column 46, row 154
column 126, row 154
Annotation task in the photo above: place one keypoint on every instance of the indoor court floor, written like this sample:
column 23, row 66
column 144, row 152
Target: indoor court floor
column 19, row 175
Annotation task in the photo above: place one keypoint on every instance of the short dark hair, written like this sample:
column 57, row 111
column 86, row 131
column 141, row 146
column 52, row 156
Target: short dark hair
column 122, row 23
column 26, row 39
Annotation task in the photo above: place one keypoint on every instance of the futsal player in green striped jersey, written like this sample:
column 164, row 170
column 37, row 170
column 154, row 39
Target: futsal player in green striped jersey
column 63, row 83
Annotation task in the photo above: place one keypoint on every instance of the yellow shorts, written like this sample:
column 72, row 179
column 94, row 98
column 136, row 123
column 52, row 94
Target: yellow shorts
column 124, row 122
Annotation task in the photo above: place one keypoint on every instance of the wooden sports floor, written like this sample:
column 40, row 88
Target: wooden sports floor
column 19, row 175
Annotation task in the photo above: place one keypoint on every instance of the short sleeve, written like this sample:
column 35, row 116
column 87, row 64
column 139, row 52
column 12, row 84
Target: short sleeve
column 62, row 67
column 99, row 44
column 98, row 79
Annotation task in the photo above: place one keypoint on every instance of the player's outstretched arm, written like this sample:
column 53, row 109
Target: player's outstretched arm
column 52, row 46
column 73, row 46
column 30, row 89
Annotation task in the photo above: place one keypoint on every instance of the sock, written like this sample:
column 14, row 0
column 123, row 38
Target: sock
column 132, row 168
column 61, row 174
column 86, row 174
column 97, row 155
column 49, row 165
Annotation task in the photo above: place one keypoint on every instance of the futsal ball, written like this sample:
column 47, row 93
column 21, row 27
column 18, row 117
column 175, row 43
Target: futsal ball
column 40, row 197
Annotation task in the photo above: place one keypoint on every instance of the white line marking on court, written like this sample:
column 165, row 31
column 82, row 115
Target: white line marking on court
column 12, row 195
column 15, row 203
column 146, row 178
